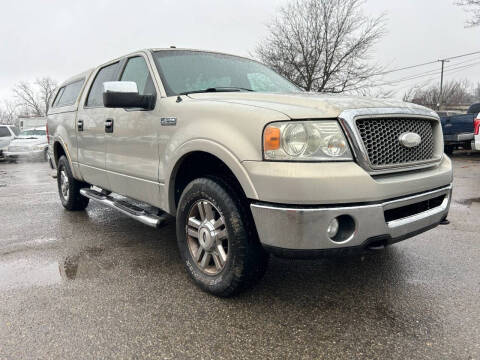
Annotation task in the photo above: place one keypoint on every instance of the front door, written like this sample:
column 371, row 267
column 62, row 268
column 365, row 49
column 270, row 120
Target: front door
column 91, row 126
column 132, row 146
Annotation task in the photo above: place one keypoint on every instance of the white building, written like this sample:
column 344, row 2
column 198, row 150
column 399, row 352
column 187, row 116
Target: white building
column 31, row 122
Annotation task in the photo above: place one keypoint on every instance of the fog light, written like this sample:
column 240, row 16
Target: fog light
column 332, row 228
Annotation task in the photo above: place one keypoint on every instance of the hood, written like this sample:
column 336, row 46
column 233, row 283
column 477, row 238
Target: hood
column 305, row 105
column 28, row 141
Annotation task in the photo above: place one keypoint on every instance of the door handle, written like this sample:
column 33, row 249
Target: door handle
column 109, row 126
column 80, row 125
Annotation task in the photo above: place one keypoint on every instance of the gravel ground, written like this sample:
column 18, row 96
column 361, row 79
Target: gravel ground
column 97, row 284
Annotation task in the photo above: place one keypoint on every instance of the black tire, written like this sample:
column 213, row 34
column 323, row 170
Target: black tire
column 246, row 262
column 72, row 201
column 448, row 149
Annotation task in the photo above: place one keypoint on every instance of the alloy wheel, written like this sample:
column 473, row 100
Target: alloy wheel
column 207, row 237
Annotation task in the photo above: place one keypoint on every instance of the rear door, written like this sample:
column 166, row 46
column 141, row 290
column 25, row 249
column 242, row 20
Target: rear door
column 132, row 146
column 91, row 120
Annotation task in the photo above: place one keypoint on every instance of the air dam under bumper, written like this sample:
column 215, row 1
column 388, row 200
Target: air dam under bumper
column 304, row 229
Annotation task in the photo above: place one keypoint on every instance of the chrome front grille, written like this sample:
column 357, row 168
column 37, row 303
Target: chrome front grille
column 380, row 138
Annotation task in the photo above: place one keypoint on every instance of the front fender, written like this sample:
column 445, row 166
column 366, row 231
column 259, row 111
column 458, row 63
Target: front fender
column 213, row 148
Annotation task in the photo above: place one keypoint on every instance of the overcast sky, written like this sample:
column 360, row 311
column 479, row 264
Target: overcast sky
column 60, row 38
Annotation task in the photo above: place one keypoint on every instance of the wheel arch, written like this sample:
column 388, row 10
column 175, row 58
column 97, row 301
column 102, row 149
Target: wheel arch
column 59, row 149
column 220, row 161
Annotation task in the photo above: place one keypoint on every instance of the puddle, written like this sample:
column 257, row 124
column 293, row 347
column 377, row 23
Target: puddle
column 27, row 273
column 468, row 202
column 86, row 264
column 24, row 273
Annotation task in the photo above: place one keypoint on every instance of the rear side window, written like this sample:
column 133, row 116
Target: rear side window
column 59, row 95
column 137, row 71
column 4, row 131
column 69, row 94
column 95, row 96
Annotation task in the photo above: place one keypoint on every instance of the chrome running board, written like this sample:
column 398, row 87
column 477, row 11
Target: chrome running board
column 126, row 208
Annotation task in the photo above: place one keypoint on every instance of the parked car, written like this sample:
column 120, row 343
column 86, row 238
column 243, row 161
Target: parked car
column 7, row 133
column 29, row 144
column 248, row 163
column 461, row 131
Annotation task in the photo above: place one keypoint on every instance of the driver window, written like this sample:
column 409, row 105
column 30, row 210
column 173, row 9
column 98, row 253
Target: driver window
column 136, row 70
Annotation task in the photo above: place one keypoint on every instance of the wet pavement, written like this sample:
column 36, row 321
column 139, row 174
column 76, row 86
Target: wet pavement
column 97, row 284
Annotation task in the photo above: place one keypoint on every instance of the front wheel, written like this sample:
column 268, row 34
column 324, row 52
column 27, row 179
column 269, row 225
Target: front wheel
column 217, row 238
column 69, row 187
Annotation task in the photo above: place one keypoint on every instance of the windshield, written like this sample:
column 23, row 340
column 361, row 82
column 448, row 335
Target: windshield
column 194, row 71
column 33, row 132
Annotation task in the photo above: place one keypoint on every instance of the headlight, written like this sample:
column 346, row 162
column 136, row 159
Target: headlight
column 305, row 141
column 39, row 147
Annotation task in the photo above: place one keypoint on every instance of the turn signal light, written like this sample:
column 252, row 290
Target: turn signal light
column 271, row 138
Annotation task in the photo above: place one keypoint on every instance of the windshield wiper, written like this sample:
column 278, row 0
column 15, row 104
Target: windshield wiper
column 216, row 89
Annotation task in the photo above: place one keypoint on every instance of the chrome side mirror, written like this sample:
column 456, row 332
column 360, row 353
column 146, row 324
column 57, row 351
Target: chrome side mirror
column 120, row 87
column 124, row 94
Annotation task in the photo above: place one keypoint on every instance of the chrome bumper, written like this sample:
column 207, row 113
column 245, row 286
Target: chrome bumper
column 458, row 137
column 305, row 228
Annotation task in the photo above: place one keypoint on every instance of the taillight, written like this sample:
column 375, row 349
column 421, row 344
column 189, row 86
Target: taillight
column 476, row 125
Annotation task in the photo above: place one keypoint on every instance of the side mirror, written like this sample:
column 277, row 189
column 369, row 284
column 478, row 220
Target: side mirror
column 124, row 94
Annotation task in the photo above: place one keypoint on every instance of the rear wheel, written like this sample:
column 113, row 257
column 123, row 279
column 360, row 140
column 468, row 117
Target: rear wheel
column 69, row 187
column 217, row 238
column 449, row 149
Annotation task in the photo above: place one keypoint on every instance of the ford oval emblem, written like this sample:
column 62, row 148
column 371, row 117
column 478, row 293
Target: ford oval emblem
column 410, row 139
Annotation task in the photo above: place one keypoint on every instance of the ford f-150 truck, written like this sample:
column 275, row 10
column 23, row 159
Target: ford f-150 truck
column 247, row 162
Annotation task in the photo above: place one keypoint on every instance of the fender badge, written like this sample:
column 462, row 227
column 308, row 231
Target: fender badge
column 168, row 121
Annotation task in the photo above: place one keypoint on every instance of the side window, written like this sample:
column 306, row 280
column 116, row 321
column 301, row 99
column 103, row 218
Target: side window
column 69, row 95
column 95, row 96
column 137, row 70
column 15, row 130
column 59, row 95
column 4, row 131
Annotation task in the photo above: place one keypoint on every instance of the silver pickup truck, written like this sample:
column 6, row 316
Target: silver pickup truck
column 247, row 163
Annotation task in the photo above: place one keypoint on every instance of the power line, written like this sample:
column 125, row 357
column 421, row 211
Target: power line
column 429, row 73
column 424, row 64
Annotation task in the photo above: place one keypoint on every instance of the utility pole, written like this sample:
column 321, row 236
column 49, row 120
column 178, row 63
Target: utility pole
column 443, row 61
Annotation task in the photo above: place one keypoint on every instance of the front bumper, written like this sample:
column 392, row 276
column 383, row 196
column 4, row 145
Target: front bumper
column 304, row 228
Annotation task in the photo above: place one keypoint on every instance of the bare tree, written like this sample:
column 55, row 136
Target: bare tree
column 47, row 87
column 28, row 98
column 34, row 99
column 8, row 112
column 472, row 7
column 323, row 45
column 457, row 92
